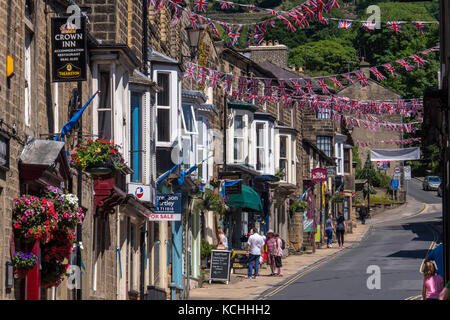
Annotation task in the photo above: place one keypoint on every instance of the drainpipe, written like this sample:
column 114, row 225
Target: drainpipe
column 79, row 190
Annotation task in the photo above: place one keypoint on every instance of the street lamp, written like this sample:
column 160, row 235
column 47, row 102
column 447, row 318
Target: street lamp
column 193, row 40
column 367, row 165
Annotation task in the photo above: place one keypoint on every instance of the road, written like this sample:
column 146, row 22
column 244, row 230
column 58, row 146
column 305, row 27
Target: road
column 394, row 248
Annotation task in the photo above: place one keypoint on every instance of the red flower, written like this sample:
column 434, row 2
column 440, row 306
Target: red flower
column 73, row 156
column 113, row 151
column 89, row 140
column 17, row 225
column 78, row 160
column 103, row 141
column 30, row 231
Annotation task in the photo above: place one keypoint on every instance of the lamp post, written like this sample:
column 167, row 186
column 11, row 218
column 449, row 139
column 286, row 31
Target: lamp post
column 367, row 165
column 193, row 42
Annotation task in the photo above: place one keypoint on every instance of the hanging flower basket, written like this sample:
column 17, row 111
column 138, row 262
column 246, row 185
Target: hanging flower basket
column 23, row 262
column 52, row 220
column 299, row 206
column 99, row 158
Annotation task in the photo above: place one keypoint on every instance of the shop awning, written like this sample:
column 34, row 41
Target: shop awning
column 248, row 199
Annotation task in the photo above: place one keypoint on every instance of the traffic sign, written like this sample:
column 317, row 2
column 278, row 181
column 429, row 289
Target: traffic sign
column 397, row 170
column 407, row 172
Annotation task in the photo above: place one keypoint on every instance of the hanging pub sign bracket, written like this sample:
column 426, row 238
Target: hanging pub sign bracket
column 69, row 50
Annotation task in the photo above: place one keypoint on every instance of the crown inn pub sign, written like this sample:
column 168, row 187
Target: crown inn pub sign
column 69, row 50
column 319, row 175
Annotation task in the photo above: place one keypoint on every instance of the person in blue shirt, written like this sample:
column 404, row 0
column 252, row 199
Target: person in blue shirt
column 437, row 255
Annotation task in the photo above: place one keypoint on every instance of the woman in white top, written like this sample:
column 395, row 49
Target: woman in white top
column 222, row 239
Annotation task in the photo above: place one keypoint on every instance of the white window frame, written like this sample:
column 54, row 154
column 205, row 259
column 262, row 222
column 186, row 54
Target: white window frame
column 340, row 158
column 324, row 113
column 203, row 146
column 194, row 122
column 242, row 138
column 159, row 107
column 28, row 48
column 286, row 176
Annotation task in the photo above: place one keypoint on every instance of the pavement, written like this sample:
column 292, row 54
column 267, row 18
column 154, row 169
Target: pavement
column 240, row 288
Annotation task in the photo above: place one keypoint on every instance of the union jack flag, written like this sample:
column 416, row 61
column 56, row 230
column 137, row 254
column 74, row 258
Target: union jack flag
column 368, row 26
column 213, row 78
column 227, row 82
column 426, row 51
column 323, row 85
column 288, row 24
column 273, row 12
column 420, row 26
column 200, row 5
column 177, row 16
column 194, row 20
column 213, row 28
column 242, row 86
column 298, row 18
column 236, row 35
column 344, row 24
column 297, row 87
column 408, row 66
column 348, row 77
column 391, row 69
column 308, row 12
column 254, row 87
column 152, row 3
column 282, row 87
column 419, row 60
column 435, row 48
column 202, row 75
column 267, row 87
column 308, row 85
column 258, row 34
column 376, row 73
column 249, row 36
column 190, row 71
column 332, row 4
column 271, row 22
column 225, row 5
column 395, row 25
column 325, row 21
column 363, row 81
column 336, row 81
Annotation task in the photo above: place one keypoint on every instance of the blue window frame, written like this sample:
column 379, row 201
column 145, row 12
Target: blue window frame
column 136, row 137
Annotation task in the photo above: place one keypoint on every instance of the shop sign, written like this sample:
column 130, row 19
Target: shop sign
column 69, row 50
column 394, row 184
column 319, row 175
column 239, row 259
column 142, row 192
column 331, row 172
column 383, row 165
column 4, row 151
column 168, row 208
column 235, row 188
column 308, row 225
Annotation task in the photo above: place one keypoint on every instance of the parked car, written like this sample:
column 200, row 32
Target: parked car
column 439, row 193
column 431, row 183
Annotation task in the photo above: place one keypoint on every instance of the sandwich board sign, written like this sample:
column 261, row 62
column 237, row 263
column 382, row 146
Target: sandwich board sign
column 220, row 265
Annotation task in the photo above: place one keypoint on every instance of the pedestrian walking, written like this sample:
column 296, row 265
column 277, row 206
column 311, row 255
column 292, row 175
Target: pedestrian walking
column 329, row 229
column 341, row 227
column 271, row 247
column 223, row 241
column 278, row 254
column 363, row 214
column 432, row 282
column 255, row 243
column 437, row 255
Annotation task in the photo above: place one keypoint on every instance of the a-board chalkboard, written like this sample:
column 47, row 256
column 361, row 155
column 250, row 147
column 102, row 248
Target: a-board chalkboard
column 220, row 265
column 239, row 259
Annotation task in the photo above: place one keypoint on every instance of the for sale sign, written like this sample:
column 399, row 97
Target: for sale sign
column 168, row 208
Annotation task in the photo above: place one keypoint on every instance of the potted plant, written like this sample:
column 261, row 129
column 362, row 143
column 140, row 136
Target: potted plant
column 338, row 197
column 280, row 174
column 98, row 157
column 299, row 206
column 215, row 202
column 52, row 220
column 205, row 252
column 23, row 262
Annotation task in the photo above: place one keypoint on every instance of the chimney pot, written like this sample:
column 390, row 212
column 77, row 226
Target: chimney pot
column 270, row 43
column 276, row 42
column 264, row 43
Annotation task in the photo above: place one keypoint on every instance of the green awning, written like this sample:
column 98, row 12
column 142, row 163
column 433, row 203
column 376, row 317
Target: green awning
column 248, row 199
column 242, row 105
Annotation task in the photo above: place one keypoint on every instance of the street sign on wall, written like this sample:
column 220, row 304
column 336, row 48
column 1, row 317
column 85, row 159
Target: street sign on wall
column 319, row 175
column 69, row 50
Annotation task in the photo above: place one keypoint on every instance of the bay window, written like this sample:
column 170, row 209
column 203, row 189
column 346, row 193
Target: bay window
column 136, row 136
column 283, row 157
column 163, row 108
column 238, row 144
column 104, row 107
column 261, row 146
column 188, row 117
column 324, row 144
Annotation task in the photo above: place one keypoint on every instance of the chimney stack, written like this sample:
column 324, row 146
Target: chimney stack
column 271, row 51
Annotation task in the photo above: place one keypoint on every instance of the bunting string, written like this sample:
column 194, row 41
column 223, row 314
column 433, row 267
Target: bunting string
column 397, row 142
column 298, row 17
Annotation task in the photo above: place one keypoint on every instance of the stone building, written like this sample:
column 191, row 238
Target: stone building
column 374, row 91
